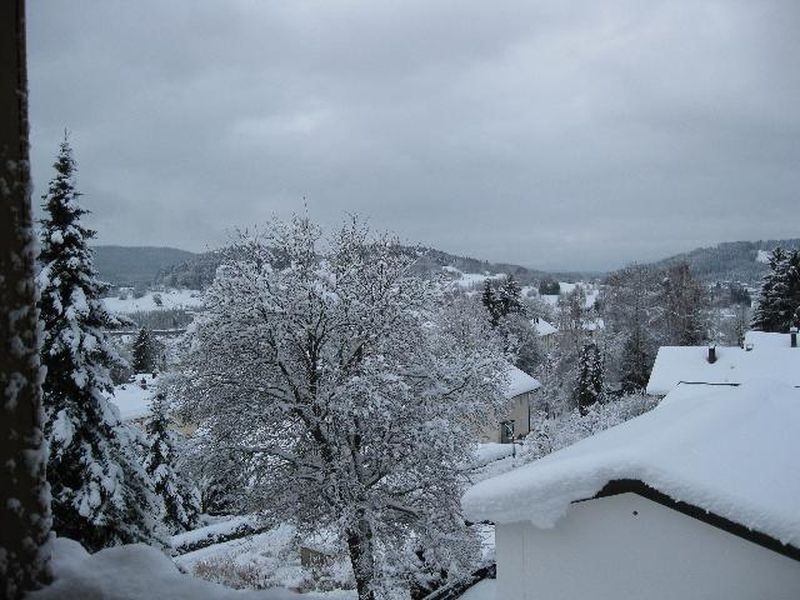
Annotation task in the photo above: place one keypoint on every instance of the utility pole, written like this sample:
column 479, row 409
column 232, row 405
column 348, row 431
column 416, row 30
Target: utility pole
column 24, row 498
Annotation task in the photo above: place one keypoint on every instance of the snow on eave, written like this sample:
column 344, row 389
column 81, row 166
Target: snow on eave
column 731, row 452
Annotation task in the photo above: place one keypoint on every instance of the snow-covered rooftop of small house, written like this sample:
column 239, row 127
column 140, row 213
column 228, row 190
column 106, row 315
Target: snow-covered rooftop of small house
column 519, row 382
column 764, row 339
column 542, row 327
column 734, row 365
column 731, row 451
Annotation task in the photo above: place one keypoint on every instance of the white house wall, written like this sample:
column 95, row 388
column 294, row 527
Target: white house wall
column 627, row 547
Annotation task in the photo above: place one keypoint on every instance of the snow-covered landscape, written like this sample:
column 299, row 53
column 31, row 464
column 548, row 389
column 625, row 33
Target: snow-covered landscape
column 399, row 301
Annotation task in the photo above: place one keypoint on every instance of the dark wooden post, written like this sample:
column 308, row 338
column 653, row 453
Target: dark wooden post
column 24, row 501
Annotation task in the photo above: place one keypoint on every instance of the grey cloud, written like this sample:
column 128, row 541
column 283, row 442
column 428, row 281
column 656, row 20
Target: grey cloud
column 556, row 135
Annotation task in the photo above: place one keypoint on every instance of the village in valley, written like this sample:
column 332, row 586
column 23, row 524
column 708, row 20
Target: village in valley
column 320, row 408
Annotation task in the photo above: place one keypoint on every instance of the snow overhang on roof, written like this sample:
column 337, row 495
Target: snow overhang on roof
column 519, row 382
column 733, row 365
column 731, row 452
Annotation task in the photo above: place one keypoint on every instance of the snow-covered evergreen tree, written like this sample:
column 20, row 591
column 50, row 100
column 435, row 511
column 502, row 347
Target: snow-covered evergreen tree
column 350, row 391
column 101, row 494
column 143, row 350
column 778, row 306
column 181, row 500
column 589, row 386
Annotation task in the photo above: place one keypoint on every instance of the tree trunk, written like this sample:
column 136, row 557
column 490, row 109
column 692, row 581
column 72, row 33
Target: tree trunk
column 24, row 499
column 359, row 542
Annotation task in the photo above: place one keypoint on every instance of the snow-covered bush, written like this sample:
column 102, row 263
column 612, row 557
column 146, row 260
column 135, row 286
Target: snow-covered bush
column 551, row 434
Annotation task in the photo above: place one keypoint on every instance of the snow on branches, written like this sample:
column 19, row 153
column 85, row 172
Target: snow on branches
column 349, row 389
column 101, row 494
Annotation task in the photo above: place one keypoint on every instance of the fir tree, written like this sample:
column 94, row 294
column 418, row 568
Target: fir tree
column 510, row 297
column 491, row 302
column 144, row 360
column 589, row 386
column 779, row 302
column 101, row 494
column 181, row 500
column 636, row 362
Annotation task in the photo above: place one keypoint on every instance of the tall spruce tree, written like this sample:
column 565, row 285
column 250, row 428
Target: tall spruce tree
column 779, row 302
column 101, row 494
column 180, row 499
column 144, row 360
column 589, row 387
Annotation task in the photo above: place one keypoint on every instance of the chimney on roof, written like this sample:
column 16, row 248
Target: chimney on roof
column 793, row 337
column 712, row 353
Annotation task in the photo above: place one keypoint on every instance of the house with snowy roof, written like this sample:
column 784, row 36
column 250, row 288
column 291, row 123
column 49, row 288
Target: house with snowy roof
column 546, row 332
column 516, row 421
column 772, row 356
column 699, row 498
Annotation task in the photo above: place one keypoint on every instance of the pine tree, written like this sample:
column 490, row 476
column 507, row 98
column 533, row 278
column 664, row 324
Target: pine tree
column 101, row 494
column 491, row 302
column 589, row 386
column 510, row 297
column 779, row 302
column 636, row 362
column 181, row 501
column 144, row 360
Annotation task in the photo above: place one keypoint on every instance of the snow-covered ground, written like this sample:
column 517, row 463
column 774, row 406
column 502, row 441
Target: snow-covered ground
column 269, row 559
column 170, row 299
column 133, row 399
column 469, row 280
column 490, row 452
column 592, row 293
column 135, row 572
column 483, row 590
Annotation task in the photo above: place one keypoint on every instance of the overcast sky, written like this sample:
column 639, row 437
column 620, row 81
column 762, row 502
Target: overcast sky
column 554, row 134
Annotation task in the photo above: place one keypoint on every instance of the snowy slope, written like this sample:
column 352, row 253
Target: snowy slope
column 732, row 452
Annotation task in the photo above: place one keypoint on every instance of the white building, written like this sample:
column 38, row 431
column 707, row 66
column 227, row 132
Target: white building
column 699, row 498
column 515, row 421
column 765, row 356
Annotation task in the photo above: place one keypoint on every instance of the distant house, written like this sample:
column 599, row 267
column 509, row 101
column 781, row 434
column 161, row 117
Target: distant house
column 546, row 332
column 696, row 499
column 516, row 421
column 765, row 356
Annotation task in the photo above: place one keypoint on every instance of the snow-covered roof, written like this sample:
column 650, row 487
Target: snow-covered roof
column 519, row 382
column 733, row 365
column 731, row 451
column 542, row 327
column 764, row 339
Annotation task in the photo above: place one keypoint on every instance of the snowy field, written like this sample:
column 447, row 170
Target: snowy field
column 133, row 399
column 469, row 280
column 170, row 299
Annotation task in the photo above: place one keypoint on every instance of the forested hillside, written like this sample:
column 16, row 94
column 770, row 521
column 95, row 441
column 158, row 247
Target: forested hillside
column 730, row 261
column 135, row 265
